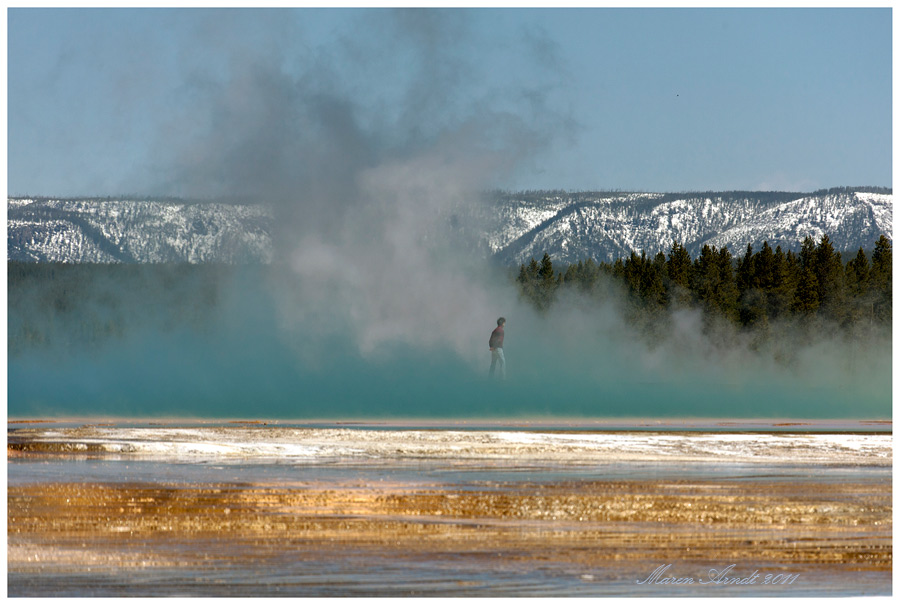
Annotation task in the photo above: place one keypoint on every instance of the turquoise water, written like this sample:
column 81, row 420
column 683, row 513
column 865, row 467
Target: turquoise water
column 261, row 353
column 219, row 377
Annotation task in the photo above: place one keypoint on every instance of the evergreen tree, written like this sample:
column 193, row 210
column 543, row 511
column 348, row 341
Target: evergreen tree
column 880, row 277
column 753, row 309
column 793, row 271
column 807, row 253
column 678, row 266
column 632, row 271
column 881, row 281
column 753, row 276
column 763, row 267
column 706, row 278
column 653, row 289
column 645, row 282
column 744, row 277
column 522, row 278
column 618, row 269
column 829, row 272
column 589, row 274
column 730, row 294
column 784, row 283
column 528, row 280
column 659, row 263
column 546, row 283
column 678, row 272
column 806, row 298
column 572, row 274
column 856, row 275
column 546, row 270
column 856, row 280
column 714, row 281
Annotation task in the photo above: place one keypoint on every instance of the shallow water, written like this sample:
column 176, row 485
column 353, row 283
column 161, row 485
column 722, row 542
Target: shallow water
column 362, row 575
column 221, row 509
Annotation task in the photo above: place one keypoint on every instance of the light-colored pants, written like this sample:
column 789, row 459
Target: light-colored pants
column 497, row 359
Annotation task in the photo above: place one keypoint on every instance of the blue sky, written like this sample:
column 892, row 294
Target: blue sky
column 205, row 102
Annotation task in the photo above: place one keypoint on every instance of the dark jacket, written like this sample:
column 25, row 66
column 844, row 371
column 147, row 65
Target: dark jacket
column 496, row 341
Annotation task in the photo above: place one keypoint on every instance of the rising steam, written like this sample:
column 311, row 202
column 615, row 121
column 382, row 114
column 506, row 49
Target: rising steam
column 374, row 151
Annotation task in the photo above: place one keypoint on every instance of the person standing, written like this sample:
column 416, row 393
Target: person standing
column 496, row 346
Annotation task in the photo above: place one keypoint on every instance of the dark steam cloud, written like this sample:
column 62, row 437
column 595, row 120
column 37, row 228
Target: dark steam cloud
column 365, row 148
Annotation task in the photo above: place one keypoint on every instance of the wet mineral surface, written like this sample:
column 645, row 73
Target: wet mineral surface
column 506, row 538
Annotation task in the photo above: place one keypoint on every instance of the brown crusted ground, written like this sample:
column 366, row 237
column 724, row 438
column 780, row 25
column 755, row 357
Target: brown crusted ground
column 843, row 526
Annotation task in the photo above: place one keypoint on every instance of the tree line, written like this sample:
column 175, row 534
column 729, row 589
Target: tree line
column 750, row 290
column 78, row 307
column 86, row 305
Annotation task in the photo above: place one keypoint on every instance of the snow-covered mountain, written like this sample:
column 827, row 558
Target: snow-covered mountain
column 572, row 227
column 512, row 228
column 104, row 231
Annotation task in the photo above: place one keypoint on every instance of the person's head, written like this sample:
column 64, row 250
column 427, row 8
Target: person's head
column 501, row 321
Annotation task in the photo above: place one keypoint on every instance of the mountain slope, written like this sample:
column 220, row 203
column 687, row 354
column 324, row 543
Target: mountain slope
column 137, row 231
column 611, row 226
column 512, row 228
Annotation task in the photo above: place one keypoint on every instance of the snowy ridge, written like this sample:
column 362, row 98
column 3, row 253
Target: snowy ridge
column 865, row 217
column 608, row 227
column 137, row 231
column 511, row 228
